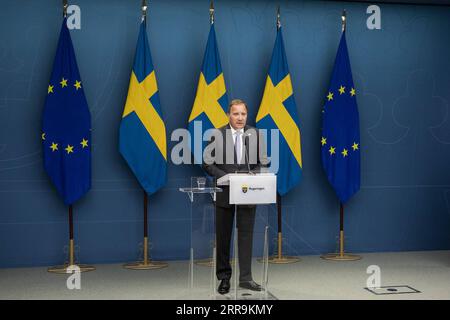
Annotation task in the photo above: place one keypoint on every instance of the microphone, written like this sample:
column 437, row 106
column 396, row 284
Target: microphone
column 246, row 135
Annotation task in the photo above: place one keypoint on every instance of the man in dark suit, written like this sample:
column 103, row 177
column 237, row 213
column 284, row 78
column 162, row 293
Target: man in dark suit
column 234, row 148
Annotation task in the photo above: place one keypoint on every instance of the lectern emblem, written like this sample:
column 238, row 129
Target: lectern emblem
column 244, row 188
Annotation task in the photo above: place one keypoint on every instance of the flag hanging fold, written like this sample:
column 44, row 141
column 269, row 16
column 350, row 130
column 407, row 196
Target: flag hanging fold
column 211, row 100
column 66, row 125
column 142, row 133
column 279, row 111
column 340, row 130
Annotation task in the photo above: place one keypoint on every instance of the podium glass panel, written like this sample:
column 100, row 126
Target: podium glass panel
column 258, row 256
column 202, row 276
column 201, row 195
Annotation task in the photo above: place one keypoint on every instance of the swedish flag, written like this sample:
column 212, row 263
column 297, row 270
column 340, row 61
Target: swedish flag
column 279, row 111
column 211, row 100
column 142, row 133
column 66, row 125
column 340, row 129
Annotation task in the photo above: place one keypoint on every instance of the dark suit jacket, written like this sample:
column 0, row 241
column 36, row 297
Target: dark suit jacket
column 222, row 160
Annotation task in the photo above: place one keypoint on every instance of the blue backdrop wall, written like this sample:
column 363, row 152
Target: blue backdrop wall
column 402, row 76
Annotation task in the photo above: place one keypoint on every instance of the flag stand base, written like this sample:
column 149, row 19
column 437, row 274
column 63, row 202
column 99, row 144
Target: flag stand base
column 146, row 263
column 283, row 259
column 341, row 257
column 63, row 268
column 204, row 262
column 142, row 265
column 279, row 258
column 208, row 262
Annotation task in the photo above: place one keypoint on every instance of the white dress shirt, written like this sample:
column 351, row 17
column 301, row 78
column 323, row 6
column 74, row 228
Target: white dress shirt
column 241, row 137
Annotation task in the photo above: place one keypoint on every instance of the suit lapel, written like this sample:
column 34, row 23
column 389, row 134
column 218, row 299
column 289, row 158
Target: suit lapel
column 229, row 146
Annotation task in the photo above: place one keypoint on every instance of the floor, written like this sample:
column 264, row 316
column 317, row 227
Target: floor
column 310, row 278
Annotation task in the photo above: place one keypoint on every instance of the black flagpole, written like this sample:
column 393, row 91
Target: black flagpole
column 71, row 244
column 279, row 258
column 341, row 256
column 341, row 230
column 70, row 266
column 63, row 268
column 145, row 264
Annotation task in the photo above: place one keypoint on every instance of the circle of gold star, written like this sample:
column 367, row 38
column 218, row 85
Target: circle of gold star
column 84, row 143
column 54, row 146
column 332, row 150
column 330, row 96
column 63, row 83
column 77, row 84
column 69, row 149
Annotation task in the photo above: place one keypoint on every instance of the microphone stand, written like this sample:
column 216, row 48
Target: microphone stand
column 247, row 156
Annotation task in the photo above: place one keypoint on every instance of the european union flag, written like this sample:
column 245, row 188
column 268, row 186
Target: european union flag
column 211, row 100
column 340, row 130
column 66, row 125
column 142, row 133
column 279, row 111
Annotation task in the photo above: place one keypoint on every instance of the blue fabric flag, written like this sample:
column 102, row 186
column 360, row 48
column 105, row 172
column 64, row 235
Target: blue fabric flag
column 66, row 125
column 278, row 110
column 340, row 130
column 142, row 133
column 211, row 100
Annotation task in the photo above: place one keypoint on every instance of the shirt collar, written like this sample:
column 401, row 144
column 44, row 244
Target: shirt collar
column 233, row 131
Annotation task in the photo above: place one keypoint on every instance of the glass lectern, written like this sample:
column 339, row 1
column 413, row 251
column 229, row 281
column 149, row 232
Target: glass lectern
column 202, row 281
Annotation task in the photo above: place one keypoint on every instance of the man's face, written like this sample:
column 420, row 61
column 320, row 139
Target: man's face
column 238, row 116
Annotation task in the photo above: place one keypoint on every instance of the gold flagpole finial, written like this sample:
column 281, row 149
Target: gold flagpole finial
column 278, row 18
column 144, row 10
column 344, row 20
column 65, row 5
column 211, row 12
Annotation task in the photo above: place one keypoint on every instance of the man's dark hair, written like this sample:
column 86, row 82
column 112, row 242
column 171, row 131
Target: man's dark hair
column 235, row 102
